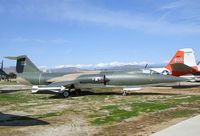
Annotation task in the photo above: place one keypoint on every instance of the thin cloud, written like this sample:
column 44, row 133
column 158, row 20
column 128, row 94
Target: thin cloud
column 102, row 65
column 90, row 14
column 40, row 41
column 173, row 5
column 85, row 13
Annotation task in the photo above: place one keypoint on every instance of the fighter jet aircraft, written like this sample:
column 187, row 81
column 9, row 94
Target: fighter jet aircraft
column 28, row 73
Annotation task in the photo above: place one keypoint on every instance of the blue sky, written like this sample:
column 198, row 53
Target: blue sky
column 101, row 32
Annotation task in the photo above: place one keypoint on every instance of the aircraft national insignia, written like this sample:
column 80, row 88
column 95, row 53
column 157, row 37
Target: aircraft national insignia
column 165, row 72
column 97, row 79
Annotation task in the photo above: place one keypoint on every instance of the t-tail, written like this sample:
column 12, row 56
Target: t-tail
column 24, row 64
column 27, row 72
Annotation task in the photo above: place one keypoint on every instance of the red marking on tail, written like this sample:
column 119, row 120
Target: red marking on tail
column 178, row 58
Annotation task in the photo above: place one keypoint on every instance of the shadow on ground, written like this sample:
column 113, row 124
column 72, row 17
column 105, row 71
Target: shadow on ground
column 185, row 86
column 14, row 120
column 12, row 90
column 90, row 93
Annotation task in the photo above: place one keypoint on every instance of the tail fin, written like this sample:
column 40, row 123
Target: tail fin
column 24, row 64
column 183, row 56
column 2, row 65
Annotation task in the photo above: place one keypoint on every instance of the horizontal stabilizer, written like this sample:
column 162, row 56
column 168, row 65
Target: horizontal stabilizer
column 15, row 57
column 179, row 67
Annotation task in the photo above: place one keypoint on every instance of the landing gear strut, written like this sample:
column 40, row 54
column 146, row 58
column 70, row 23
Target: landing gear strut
column 124, row 93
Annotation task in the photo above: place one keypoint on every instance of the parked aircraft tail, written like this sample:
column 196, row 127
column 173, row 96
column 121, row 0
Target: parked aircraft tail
column 2, row 65
column 183, row 62
column 183, row 56
column 24, row 64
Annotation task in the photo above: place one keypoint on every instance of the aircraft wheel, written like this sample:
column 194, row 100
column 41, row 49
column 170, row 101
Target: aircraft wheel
column 124, row 93
column 66, row 94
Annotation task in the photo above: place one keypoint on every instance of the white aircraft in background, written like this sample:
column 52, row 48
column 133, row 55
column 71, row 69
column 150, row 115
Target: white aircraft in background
column 182, row 64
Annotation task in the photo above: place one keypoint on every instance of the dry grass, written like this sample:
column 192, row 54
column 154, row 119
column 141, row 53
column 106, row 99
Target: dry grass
column 100, row 112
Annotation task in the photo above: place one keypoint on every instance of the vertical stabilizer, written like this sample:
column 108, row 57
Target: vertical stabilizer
column 2, row 65
column 183, row 56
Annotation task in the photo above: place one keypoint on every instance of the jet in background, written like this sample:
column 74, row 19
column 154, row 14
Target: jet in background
column 183, row 64
column 3, row 75
column 63, row 84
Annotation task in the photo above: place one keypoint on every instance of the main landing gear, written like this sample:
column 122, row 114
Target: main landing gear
column 67, row 93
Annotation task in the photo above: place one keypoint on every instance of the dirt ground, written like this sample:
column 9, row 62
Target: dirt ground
column 50, row 115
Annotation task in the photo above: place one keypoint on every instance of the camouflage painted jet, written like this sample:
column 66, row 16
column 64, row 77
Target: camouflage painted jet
column 63, row 84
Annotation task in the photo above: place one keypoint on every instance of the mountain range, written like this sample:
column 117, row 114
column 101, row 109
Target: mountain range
column 75, row 69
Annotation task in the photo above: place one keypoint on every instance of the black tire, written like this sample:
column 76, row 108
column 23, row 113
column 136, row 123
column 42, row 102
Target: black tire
column 78, row 92
column 66, row 94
